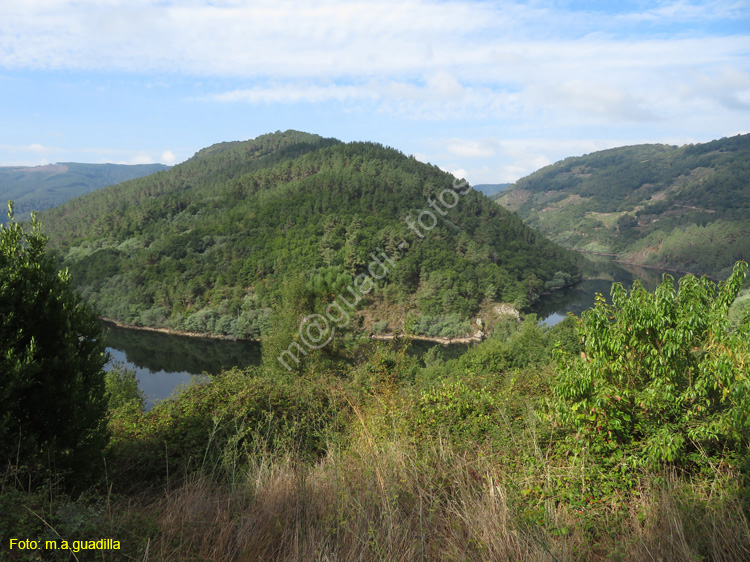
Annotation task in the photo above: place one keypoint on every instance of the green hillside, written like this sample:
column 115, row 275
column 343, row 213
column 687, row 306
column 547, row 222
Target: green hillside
column 207, row 245
column 682, row 207
column 41, row 187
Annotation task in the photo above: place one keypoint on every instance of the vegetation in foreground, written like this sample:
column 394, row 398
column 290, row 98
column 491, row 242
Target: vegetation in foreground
column 619, row 436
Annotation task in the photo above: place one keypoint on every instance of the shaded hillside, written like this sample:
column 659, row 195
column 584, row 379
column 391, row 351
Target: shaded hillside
column 41, row 187
column 207, row 245
column 682, row 207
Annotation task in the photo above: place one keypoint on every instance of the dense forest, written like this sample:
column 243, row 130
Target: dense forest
column 206, row 245
column 682, row 207
column 41, row 187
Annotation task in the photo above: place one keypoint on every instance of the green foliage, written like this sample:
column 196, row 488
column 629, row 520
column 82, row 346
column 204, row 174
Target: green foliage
column 212, row 424
column 447, row 326
column 740, row 309
column 663, row 376
column 513, row 347
column 457, row 410
column 207, row 245
column 680, row 207
column 52, row 401
column 121, row 389
column 283, row 349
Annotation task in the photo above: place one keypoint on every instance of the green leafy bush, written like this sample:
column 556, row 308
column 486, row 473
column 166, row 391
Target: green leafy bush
column 122, row 390
column 52, row 401
column 443, row 326
column 663, row 376
column 453, row 408
column 220, row 420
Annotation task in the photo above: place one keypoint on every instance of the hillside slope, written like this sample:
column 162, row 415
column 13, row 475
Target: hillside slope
column 207, row 245
column 680, row 207
column 41, row 187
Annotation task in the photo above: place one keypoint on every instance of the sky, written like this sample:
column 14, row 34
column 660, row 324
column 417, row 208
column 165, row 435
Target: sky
column 490, row 91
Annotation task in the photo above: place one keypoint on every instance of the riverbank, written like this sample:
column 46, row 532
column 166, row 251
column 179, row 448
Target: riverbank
column 172, row 332
column 614, row 258
column 443, row 341
column 380, row 337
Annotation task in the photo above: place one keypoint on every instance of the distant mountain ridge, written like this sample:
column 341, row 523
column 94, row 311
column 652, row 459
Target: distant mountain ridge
column 684, row 207
column 491, row 189
column 41, row 187
column 207, row 245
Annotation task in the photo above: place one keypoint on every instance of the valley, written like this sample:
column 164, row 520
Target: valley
column 306, row 425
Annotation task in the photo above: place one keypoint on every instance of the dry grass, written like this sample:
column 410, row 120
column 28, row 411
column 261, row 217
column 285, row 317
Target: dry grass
column 395, row 501
column 382, row 507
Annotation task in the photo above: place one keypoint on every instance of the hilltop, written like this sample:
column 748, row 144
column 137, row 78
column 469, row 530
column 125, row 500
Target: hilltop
column 207, row 245
column 684, row 207
column 35, row 188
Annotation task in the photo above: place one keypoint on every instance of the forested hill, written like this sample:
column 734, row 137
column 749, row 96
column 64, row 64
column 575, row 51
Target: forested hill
column 207, row 245
column 684, row 207
column 41, row 187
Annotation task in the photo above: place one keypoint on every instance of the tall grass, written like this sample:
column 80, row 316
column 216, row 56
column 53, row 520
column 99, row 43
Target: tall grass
column 253, row 469
column 395, row 499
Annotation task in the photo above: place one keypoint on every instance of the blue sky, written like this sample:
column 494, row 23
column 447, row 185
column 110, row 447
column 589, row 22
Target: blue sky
column 488, row 90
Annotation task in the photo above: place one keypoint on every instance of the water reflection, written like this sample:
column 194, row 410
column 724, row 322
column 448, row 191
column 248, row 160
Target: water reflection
column 164, row 362
column 599, row 273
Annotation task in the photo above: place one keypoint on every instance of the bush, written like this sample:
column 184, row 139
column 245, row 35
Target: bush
column 216, row 423
column 455, row 409
column 448, row 326
column 122, row 390
column 663, row 376
column 52, row 401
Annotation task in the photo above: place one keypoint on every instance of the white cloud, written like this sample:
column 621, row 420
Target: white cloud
column 293, row 93
column 469, row 149
column 168, row 157
column 460, row 173
column 38, row 148
column 415, row 59
column 534, row 71
column 445, row 85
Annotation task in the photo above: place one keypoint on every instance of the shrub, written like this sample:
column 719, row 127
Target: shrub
column 122, row 390
column 447, row 326
column 52, row 401
column 663, row 376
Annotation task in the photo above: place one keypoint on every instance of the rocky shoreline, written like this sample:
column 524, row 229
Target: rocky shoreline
column 379, row 337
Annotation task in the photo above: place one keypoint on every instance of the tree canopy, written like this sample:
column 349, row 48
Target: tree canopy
column 681, row 207
column 206, row 246
column 52, row 401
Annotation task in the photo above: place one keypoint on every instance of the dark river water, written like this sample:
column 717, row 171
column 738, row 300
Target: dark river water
column 164, row 362
column 599, row 274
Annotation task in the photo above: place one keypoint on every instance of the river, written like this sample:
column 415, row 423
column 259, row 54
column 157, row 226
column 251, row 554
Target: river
column 599, row 273
column 164, row 362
